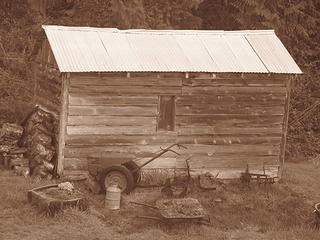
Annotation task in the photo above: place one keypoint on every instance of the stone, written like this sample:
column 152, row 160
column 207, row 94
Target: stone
column 22, row 171
column 68, row 186
column 18, row 161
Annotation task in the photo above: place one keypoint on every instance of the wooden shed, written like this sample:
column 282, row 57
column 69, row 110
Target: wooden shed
column 126, row 93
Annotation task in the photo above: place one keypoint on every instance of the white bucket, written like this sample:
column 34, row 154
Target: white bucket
column 113, row 196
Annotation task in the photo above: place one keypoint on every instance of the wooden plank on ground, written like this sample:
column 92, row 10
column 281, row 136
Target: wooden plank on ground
column 233, row 173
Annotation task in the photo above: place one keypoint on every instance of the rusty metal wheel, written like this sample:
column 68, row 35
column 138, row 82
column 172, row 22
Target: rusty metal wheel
column 118, row 175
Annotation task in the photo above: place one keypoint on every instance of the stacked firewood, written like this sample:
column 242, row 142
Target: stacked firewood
column 38, row 138
column 11, row 155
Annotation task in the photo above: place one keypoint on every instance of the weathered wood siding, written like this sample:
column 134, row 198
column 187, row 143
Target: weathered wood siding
column 226, row 120
column 229, row 121
column 48, row 84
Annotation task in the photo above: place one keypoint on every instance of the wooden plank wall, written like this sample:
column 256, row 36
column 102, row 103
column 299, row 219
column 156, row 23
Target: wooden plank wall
column 225, row 120
column 112, row 118
column 229, row 121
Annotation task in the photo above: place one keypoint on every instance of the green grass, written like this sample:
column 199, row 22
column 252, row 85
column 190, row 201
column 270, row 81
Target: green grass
column 282, row 211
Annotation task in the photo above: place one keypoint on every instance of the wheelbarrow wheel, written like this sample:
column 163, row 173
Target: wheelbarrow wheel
column 118, row 175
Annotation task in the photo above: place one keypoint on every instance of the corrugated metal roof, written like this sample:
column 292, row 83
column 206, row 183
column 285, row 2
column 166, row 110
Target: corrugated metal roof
column 85, row 49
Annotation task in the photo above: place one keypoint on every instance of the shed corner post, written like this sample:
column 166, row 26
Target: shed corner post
column 285, row 124
column 63, row 121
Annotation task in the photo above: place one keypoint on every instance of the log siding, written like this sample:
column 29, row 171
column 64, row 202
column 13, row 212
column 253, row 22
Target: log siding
column 226, row 120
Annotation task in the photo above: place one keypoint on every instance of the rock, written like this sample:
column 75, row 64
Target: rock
column 41, row 137
column 41, row 118
column 5, row 148
column 48, row 166
column 10, row 133
column 18, row 161
column 22, row 171
column 18, row 150
column 68, row 186
column 93, row 185
column 49, row 176
column 40, row 171
column 209, row 182
column 42, row 153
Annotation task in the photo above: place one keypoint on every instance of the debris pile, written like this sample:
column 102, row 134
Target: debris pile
column 11, row 155
column 39, row 139
column 208, row 181
column 180, row 208
column 54, row 198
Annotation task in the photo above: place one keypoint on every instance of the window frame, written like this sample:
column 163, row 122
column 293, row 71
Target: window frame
column 173, row 117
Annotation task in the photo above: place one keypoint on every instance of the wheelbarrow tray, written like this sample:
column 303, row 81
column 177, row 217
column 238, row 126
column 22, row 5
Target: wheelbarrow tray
column 180, row 208
column 50, row 200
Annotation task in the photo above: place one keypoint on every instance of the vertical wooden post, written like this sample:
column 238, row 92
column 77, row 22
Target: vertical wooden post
column 63, row 121
column 285, row 125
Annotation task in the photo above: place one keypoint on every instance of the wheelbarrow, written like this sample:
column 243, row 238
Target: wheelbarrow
column 182, row 209
column 128, row 174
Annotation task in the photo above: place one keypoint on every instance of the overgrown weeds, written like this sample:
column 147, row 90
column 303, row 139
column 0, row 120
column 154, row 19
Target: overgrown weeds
column 280, row 211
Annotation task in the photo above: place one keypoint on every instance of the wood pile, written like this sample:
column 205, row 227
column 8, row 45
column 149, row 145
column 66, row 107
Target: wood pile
column 12, row 156
column 39, row 139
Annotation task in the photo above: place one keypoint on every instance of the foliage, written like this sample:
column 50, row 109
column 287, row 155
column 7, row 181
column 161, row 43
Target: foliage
column 297, row 23
column 171, row 14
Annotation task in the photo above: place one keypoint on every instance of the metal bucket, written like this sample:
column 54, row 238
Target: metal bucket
column 113, row 196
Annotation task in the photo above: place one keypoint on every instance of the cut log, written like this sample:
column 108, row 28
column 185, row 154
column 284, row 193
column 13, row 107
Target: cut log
column 22, row 162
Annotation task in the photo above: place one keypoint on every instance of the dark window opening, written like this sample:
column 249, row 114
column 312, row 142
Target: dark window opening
column 166, row 113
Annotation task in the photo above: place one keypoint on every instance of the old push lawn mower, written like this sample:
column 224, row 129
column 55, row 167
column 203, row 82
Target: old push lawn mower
column 127, row 175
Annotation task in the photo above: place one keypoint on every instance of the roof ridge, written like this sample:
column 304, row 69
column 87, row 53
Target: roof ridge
column 155, row 31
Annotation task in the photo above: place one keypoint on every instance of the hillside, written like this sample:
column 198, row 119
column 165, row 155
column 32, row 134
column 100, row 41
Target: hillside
column 296, row 23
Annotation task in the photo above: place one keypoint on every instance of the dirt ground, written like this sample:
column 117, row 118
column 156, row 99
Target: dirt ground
column 280, row 211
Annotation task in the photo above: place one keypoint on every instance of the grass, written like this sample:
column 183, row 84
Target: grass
column 281, row 211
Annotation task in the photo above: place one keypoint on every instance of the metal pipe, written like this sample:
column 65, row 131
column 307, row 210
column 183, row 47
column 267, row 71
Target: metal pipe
column 161, row 153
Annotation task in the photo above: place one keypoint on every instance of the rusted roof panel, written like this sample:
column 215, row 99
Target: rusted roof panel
column 79, row 49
